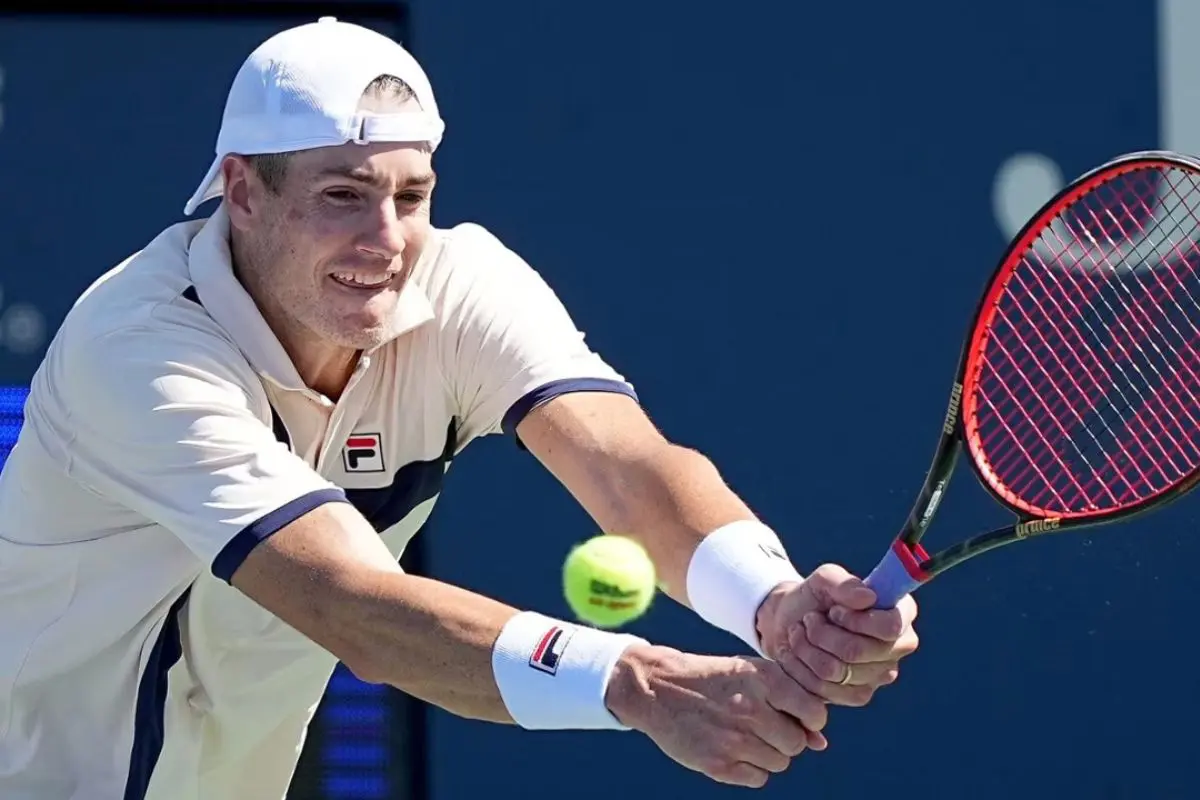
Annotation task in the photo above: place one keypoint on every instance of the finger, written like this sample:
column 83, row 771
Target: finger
column 829, row 691
column 845, row 647
column 741, row 774
column 875, row 674
column 848, row 695
column 835, row 586
column 872, row 675
column 852, row 621
column 800, row 705
column 782, row 730
column 817, row 741
column 756, row 751
column 884, row 624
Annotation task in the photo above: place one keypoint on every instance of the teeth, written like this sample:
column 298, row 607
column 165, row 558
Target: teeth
column 358, row 280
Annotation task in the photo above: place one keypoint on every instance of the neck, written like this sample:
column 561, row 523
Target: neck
column 323, row 367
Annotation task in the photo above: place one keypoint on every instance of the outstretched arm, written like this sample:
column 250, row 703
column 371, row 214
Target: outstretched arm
column 711, row 552
column 631, row 480
column 330, row 576
column 326, row 574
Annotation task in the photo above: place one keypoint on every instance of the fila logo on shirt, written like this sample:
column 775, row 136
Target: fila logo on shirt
column 548, row 653
column 363, row 453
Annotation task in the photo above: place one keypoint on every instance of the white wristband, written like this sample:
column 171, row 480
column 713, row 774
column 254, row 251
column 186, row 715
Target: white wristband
column 732, row 571
column 553, row 675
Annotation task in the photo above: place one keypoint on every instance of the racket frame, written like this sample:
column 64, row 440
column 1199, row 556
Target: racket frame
column 906, row 548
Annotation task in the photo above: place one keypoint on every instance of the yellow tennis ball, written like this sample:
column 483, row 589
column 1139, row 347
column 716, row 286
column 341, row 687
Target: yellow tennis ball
column 609, row 581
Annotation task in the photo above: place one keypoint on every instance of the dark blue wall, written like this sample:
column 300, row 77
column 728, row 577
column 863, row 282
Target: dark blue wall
column 774, row 220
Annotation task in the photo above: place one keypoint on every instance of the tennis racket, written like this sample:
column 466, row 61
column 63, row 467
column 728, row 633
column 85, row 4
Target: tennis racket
column 1077, row 393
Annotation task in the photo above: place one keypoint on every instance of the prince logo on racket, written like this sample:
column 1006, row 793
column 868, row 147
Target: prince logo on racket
column 952, row 411
column 1036, row 527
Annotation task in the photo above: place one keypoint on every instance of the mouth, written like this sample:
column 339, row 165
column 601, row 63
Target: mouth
column 364, row 281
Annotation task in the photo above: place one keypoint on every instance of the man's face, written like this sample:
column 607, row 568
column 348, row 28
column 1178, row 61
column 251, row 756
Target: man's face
column 329, row 254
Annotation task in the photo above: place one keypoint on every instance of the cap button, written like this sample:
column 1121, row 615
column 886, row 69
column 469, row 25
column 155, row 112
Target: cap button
column 327, row 19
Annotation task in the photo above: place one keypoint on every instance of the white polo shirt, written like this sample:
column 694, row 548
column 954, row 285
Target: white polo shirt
column 166, row 434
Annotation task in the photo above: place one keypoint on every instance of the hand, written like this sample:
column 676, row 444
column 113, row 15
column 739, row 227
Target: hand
column 825, row 633
column 735, row 720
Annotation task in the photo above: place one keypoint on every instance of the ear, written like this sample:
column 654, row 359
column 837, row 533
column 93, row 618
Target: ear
column 242, row 190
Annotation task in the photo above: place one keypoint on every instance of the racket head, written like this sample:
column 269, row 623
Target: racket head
column 1080, row 378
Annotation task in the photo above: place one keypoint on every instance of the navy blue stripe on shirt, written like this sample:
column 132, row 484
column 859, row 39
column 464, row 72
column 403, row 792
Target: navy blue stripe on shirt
column 190, row 294
column 235, row 551
column 150, row 707
column 548, row 391
column 280, row 430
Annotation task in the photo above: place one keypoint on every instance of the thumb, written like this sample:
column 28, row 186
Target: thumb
column 853, row 594
column 835, row 586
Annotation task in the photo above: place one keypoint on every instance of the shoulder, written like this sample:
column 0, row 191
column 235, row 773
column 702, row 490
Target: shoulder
column 140, row 320
column 134, row 292
column 469, row 266
column 471, row 240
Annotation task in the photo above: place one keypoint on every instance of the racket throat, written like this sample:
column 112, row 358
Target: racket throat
column 898, row 573
column 911, row 557
column 924, row 516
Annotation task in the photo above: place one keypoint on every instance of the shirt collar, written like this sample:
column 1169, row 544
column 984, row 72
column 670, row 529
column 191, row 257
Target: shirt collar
column 210, row 264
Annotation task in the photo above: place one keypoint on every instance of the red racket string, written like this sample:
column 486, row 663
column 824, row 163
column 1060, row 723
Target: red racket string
column 1087, row 384
column 1137, row 333
column 1089, row 380
column 1163, row 421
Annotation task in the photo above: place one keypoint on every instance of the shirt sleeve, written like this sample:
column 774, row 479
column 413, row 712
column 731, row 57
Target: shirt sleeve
column 170, row 425
column 510, row 345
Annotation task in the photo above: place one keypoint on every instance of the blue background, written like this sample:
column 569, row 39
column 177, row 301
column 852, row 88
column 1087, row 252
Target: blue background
column 774, row 219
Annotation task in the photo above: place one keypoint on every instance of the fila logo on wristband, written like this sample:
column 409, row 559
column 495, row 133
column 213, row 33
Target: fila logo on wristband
column 549, row 650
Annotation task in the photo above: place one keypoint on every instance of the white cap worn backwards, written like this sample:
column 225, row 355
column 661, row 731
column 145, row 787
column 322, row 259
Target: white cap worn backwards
column 301, row 88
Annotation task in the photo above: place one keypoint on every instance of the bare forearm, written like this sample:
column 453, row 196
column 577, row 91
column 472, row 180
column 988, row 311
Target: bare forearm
column 668, row 500
column 330, row 576
column 710, row 552
column 428, row 639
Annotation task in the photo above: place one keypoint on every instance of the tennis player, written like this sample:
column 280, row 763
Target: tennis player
column 236, row 432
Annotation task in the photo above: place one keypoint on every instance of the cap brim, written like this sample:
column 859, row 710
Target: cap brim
column 209, row 188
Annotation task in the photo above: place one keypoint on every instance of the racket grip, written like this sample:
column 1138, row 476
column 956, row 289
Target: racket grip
column 892, row 579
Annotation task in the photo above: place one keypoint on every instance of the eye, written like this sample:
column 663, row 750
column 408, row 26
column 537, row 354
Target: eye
column 411, row 198
column 341, row 195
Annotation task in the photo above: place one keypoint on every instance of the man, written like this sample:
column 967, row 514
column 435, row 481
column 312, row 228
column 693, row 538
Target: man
column 236, row 431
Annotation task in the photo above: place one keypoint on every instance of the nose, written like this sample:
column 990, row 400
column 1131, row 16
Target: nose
column 384, row 235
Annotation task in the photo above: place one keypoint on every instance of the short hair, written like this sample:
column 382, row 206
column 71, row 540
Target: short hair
column 271, row 168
